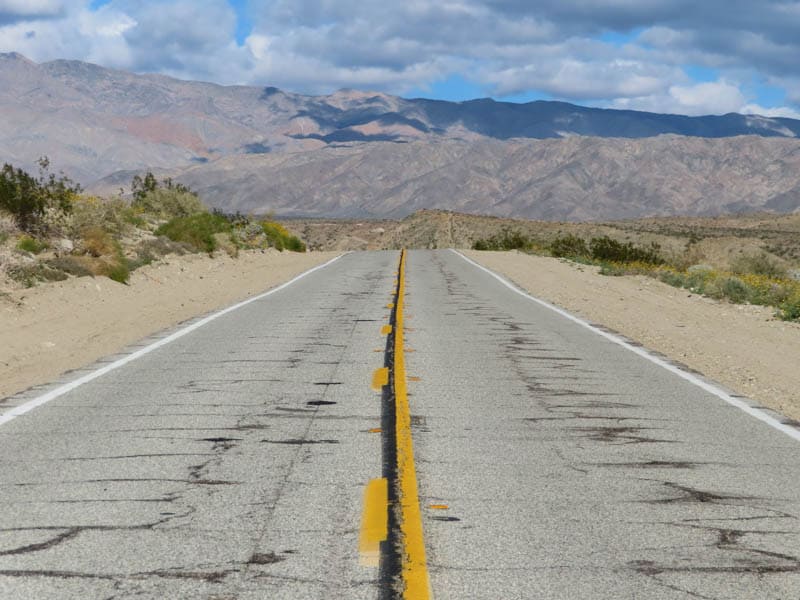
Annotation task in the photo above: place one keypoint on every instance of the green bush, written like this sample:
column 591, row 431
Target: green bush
column 119, row 271
column 29, row 275
column 758, row 264
column 30, row 244
column 169, row 203
column 196, row 230
column 607, row 249
column 70, row 265
column 569, row 246
column 505, row 240
column 279, row 237
column 28, row 198
column 789, row 309
column 113, row 215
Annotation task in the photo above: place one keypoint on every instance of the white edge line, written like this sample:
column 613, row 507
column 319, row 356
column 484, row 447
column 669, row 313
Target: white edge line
column 708, row 387
column 68, row 387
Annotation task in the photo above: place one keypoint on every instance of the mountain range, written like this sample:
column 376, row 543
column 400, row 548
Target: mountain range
column 362, row 154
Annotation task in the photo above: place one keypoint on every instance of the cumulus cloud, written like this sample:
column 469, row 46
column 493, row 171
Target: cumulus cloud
column 557, row 48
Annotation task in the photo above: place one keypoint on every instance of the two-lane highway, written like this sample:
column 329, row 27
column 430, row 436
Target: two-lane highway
column 245, row 459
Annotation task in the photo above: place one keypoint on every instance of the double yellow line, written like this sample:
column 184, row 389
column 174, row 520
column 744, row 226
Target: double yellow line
column 413, row 564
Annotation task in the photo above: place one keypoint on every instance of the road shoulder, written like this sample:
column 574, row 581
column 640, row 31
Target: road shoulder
column 57, row 327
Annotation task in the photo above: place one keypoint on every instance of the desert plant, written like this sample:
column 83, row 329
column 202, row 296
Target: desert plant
column 28, row 198
column 96, row 242
column 279, row 237
column 196, row 230
column 758, row 264
column 569, row 246
column 169, row 203
column 506, row 239
column 30, row 244
column 71, row 265
column 607, row 249
column 118, row 270
column 29, row 275
column 114, row 215
column 789, row 309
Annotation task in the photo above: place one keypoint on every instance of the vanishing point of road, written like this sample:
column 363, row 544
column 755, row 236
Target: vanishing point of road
column 394, row 425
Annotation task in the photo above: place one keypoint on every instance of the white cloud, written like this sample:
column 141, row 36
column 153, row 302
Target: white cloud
column 755, row 109
column 714, row 97
column 30, row 8
column 503, row 46
column 708, row 98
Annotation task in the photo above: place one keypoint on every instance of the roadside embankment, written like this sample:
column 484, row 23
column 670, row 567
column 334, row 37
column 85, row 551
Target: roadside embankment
column 50, row 329
column 741, row 346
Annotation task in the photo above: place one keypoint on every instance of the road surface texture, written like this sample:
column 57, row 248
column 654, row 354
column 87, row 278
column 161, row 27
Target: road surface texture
column 547, row 462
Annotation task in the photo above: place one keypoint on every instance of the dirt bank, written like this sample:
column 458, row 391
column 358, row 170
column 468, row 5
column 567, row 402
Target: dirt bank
column 743, row 347
column 52, row 328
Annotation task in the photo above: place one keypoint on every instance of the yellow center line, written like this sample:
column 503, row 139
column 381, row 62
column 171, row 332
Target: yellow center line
column 416, row 583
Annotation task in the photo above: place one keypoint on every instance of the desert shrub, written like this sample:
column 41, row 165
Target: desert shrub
column 118, row 270
column 569, row 246
column 228, row 243
column 196, row 230
column 29, row 275
column 114, row 215
column 607, row 249
column 758, row 264
column 506, row 239
column 789, row 309
column 28, row 198
column 169, row 203
column 71, row 265
column 96, row 241
column 161, row 246
column 783, row 294
column 730, row 288
column 30, row 244
column 683, row 260
column 279, row 237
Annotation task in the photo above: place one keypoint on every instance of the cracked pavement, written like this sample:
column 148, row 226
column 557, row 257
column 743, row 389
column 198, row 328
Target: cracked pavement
column 552, row 463
column 229, row 463
column 573, row 468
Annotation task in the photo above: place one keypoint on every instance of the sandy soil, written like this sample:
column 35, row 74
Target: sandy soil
column 52, row 328
column 742, row 347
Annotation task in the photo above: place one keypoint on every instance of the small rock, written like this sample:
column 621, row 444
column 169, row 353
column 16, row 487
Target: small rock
column 64, row 246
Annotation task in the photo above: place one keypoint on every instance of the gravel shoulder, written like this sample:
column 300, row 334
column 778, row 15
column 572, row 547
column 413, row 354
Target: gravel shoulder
column 52, row 328
column 743, row 347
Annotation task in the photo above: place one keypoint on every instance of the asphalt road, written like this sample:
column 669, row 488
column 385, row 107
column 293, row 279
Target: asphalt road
column 550, row 461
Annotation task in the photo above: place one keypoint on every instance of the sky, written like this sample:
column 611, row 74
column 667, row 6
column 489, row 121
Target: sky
column 677, row 56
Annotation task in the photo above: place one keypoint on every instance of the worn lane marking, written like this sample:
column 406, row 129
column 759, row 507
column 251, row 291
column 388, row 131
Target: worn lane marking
column 414, row 565
column 386, row 330
column 693, row 379
column 380, row 378
column 374, row 522
column 68, row 387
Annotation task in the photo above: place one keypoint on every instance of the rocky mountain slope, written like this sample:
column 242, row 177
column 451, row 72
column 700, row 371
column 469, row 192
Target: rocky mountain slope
column 369, row 154
column 572, row 179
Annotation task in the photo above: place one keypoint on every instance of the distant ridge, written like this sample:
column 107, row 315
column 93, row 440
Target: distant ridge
column 263, row 148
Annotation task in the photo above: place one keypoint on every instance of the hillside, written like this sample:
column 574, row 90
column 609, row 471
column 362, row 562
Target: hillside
column 572, row 179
